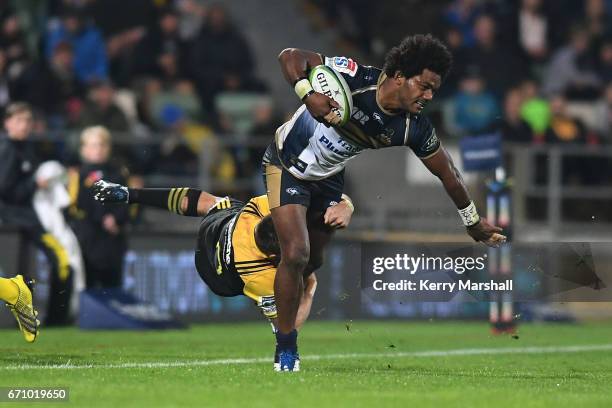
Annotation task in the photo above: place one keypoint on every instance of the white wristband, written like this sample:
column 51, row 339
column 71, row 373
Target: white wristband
column 303, row 88
column 469, row 215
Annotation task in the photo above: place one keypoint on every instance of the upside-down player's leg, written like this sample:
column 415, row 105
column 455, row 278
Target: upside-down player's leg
column 185, row 201
column 17, row 295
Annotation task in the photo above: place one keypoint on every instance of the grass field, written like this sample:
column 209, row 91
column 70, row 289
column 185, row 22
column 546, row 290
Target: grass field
column 363, row 364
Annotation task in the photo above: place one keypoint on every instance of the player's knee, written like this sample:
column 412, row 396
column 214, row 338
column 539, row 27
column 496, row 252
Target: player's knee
column 315, row 262
column 296, row 256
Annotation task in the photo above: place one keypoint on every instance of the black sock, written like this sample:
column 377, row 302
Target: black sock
column 167, row 198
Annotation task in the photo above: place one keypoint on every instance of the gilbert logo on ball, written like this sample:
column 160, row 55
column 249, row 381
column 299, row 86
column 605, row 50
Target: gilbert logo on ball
column 329, row 82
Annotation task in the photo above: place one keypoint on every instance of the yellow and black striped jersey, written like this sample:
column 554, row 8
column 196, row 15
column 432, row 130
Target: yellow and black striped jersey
column 227, row 257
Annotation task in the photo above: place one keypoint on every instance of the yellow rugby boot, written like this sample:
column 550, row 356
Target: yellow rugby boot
column 23, row 309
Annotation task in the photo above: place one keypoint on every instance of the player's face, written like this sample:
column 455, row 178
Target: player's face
column 417, row 91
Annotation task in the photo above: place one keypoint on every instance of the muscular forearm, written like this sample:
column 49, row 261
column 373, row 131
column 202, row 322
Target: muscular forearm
column 306, row 302
column 455, row 188
column 296, row 63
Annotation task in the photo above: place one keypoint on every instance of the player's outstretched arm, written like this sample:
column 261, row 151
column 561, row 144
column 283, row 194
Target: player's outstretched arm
column 310, row 287
column 442, row 166
column 296, row 64
column 179, row 200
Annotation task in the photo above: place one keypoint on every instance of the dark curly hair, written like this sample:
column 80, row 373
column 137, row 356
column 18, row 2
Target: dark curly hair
column 416, row 53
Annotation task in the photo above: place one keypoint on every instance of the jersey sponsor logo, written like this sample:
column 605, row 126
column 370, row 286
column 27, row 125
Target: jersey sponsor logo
column 219, row 266
column 227, row 250
column 332, row 203
column 330, row 146
column 359, row 116
column 432, row 142
column 345, row 65
column 378, row 118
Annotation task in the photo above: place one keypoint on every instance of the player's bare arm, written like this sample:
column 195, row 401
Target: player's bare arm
column 295, row 64
column 442, row 166
column 310, row 287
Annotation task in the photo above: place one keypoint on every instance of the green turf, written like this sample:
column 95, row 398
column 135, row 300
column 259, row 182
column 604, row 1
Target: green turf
column 525, row 380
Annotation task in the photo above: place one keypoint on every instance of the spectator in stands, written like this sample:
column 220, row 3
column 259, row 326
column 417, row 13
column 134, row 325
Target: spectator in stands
column 99, row 229
column 186, row 140
column 454, row 42
column 564, row 128
column 192, row 14
column 162, row 51
column 533, row 30
column 571, row 71
column 603, row 115
column 102, row 110
column 475, row 108
column 13, row 42
column 90, row 61
column 499, row 69
column 18, row 184
column 55, row 89
column 5, row 86
column 513, row 128
column 180, row 94
column 535, row 110
column 15, row 63
column 462, row 14
column 597, row 20
column 604, row 66
column 223, row 58
column 265, row 123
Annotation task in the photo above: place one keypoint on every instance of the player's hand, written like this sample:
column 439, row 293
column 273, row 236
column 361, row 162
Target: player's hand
column 486, row 233
column 338, row 216
column 320, row 107
column 107, row 192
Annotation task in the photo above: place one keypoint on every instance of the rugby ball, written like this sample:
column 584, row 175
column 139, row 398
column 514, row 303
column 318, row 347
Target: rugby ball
column 329, row 82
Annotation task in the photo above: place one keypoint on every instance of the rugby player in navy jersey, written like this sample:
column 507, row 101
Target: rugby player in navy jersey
column 304, row 166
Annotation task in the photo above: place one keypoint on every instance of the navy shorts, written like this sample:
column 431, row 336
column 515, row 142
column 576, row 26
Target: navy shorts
column 284, row 188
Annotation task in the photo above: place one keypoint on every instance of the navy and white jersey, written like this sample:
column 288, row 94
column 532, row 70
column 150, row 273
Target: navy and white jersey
column 312, row 151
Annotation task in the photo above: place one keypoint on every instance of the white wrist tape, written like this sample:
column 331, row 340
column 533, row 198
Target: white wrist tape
column 303, row 88
column 469, row 215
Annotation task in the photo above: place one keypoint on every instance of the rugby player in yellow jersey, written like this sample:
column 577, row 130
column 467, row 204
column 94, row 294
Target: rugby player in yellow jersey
column 17, row 294
column 237, row 249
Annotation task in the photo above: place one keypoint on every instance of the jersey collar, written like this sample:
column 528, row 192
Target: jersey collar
column 381, row 79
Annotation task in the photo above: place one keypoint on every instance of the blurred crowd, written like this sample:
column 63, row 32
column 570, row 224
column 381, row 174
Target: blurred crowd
column 139, row 68
column 540, row 71
column 173, row 78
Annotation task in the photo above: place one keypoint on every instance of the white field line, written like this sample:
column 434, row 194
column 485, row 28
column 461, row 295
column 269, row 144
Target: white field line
column 260, row 360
